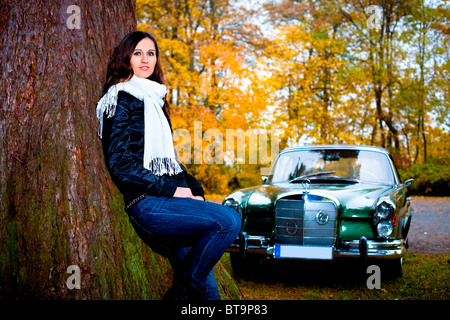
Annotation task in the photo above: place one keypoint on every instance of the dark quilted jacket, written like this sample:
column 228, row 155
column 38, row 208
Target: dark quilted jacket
column 123, row 147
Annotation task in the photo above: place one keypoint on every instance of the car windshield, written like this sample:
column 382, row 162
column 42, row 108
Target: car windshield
column 356, row 165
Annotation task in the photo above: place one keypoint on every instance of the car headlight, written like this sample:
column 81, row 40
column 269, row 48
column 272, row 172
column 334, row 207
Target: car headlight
column 385, row 228
column 384, row 219
column 234, row 205
column 385, row 210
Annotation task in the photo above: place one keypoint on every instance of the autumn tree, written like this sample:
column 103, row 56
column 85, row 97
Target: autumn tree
column 405, row 54
column 357, row 72
column 58, row 205
column 309, row 68
column 367, row 72
column 210, row 48
column 374, row 30
column 424, row 86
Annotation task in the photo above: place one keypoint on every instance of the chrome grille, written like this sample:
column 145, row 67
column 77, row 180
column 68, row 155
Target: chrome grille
column 296, row 222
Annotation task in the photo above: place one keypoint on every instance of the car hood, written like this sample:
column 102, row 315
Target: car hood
column 353, row 200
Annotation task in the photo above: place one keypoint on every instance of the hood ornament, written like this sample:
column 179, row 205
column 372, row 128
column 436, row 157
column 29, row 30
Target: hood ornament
column 306, row 184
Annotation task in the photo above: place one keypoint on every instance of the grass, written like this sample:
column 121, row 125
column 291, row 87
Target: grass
column 425, row 277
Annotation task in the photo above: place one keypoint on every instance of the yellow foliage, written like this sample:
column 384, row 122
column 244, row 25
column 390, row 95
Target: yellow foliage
column 315, row 77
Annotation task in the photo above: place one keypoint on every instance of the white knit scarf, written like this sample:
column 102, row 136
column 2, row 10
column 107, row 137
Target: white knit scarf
column 159, row 153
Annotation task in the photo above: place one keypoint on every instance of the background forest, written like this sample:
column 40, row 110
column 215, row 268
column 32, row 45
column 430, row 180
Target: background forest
column 314, row 72
column 302, row 71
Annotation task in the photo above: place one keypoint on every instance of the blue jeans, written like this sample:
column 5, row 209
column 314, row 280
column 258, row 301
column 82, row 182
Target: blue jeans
column 193, row 234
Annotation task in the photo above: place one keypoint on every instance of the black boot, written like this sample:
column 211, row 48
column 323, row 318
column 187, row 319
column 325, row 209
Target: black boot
column 182, row 290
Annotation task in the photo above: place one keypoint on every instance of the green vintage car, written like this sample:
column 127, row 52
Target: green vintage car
column 325, row 202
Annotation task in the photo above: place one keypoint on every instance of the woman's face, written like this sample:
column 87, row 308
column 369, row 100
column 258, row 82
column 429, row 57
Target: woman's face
column 143, row 59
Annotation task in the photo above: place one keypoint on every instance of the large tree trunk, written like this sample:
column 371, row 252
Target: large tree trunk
column 58, row 206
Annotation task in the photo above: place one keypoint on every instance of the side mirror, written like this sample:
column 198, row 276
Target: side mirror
column 264, row 179
column 407, row 183
column 404, row 185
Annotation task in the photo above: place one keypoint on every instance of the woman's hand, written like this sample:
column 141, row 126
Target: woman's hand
column 181, row 192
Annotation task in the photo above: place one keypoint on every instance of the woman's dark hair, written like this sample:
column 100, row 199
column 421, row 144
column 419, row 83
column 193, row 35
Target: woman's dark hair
column 119, row 68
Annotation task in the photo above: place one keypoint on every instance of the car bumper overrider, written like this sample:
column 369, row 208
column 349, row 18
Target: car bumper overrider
column 363, row 248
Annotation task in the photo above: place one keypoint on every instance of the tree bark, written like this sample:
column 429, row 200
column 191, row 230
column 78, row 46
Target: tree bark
column 58, row 205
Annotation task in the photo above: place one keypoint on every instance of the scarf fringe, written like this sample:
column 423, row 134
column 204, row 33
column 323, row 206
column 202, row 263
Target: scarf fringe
column 159, row 155
column 106, row 106
column 164, row 165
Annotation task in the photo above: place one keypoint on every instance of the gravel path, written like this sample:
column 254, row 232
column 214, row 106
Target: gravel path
column 430, row 225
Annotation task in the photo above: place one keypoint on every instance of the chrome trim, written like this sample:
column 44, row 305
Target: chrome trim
column 311, row 231
column 236, row 205
column 256, row 245
column 394, row 249
column 337, row 146
column 385, row 250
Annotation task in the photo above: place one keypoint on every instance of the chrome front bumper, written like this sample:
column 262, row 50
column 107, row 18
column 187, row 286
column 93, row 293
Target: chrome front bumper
column 393, row 249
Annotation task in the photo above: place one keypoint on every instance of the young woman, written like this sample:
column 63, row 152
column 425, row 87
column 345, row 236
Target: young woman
column 164, row 203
